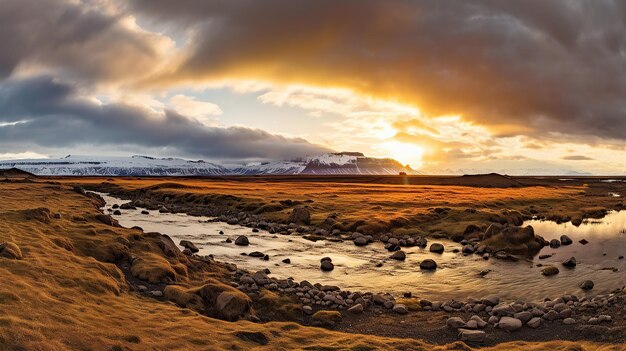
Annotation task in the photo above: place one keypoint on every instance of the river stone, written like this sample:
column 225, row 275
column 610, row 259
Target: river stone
column 242, row 241
column 436, row 248
column 543, row 257
column 554, row 243
column 565, row 240
column 471, row 324
column 570, row 262
column 455, row 322
column 468, row 249
column 509, row 324
column 189, row 245
column 569, row 321
column 586, row 285
column 428, row 264
column 549, row 271
column 400, row 309
column 10, row 250
column 534, row 322
column 356, row 309
column 493, row 320
column 491, row 300
column 327, row 266
column 360, row 241
column 523, row 316
column 398, row 255
column 480, row 323
column 551, row 315
column 467, row 335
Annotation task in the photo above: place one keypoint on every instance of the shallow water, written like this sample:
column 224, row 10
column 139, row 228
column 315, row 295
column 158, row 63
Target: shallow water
column 456, row 277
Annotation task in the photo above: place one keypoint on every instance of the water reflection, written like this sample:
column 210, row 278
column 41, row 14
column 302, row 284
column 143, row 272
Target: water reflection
column 457, row 276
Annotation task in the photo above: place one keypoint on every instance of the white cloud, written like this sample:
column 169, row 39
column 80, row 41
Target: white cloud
column 202, row 111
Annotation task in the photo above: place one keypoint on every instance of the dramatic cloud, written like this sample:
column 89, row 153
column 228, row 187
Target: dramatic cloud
column 85, row 40
column 544, row 66
column 48, row 113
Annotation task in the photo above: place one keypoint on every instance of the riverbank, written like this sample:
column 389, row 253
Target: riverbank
column 89, row 241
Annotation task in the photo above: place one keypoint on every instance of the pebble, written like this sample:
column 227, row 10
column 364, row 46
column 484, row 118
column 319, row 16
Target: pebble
column 509, row 324
column 467, row 335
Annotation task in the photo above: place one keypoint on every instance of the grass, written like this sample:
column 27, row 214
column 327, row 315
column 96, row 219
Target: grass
column 66, row 294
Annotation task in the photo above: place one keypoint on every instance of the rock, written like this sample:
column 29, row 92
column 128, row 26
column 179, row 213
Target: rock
column 534, row 322
column 356, row 309
column 360, row 241
column 307, row 309
column 480, row 323
column 326, row 259
column 570, row 262
column 565, row 240
column 551, row 315
column 554, row 243
column 509, row 324
column 491, row 300
column 256, row 254
column 398, row 255
column 287, row 261
column 493, row 319
column 569, row 321
column 327, row 266
column 468, row 249
column 300, row 215
column 400, row 309
column 428, row 265
column 503, row 309
column 543, row 257
column 242, row 241
column 327, row 319
column 144, row 212
column 586, row 285
column 549, row 271
column 230, row 305
column 472, row 336
column 189, row 245
column 455, row 322
column 436, row 248
column 583, row 242
column 221, row 232
column 523, row 316
column 10, row 250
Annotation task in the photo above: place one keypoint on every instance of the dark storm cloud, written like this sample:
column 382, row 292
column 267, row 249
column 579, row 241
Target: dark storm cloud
column 79, row 39
column 546, row 66
column 54, row 115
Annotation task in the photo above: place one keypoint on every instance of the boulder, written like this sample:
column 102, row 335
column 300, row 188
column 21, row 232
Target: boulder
column 566, row 240
column 398, row 255
column 570, row 262
column 300, row 215
column 231, row 305
column 436, row 248
column 256, row 254
column 242, row 240
column 428, row 265
column 509, row 324
column 10, row 250
column 189, row 245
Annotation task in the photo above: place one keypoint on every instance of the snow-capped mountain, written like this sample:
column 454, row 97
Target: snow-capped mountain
column 337, row 163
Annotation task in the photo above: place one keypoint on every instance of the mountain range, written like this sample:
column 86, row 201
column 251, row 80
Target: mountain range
column 348, row 163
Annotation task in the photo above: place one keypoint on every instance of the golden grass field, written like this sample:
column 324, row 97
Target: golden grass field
column 64, row 294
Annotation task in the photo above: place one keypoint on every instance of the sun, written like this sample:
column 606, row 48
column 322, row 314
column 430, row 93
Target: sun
column 405, row 153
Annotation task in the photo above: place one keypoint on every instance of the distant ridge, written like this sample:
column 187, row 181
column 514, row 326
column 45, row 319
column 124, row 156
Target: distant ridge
column 342, row 163
column 490, row 180
column 15, row 173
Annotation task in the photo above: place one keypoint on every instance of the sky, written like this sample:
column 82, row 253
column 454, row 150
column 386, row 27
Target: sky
column 528, row 86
